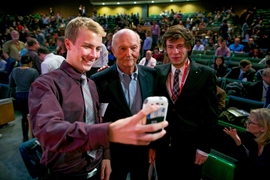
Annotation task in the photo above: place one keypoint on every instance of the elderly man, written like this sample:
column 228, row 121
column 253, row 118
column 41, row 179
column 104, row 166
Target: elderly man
column 148, row 60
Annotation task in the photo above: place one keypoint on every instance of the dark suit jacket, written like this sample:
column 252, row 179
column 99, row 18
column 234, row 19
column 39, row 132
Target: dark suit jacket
column 235, row 72
column 193, row 118
column 110, row 91
column 248, row 165
column 255, row 90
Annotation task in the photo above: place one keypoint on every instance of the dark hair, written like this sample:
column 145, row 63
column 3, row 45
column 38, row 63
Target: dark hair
column 31, row 42
column 43, row 50
column 25, row 59
column 243, row 63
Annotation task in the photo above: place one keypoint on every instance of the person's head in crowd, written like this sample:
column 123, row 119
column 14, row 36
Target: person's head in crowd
column 178, row 40
column 148, row 55
column 32, row 44
column 14, row 35
column 258, row 124
column 126, row 49
column 26, row 60
column 42, row 52
column 266, row 76
column 223, row 43
column 219, row 61
column 251, row 41
column 245, row 65
column 83, row 42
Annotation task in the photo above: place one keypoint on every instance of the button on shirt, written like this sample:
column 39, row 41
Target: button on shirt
column 130, row 88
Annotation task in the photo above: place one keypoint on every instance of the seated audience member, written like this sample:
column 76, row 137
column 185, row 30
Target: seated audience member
column 267, row 56
column 219, row 66
column 218, row 42
column 249, row 46
column 50, row 61
column 256, row 53
column 260, row 91
column 243, row 72
column 204, row 40
column 148, row 60
column 253, row 147
column 236, row 46
column 258, row 75
column 221, row 96
column 210, row 46
column 223, row 50
column 159, row 56
column 198, row 46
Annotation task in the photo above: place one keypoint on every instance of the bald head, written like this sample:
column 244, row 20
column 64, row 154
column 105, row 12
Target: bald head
column 121, row 34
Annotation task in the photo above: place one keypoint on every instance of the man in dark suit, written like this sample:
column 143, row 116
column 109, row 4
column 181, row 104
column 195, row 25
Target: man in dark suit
column 124, row 86
column 192, row 114
column 258, row 91
column 244, row 72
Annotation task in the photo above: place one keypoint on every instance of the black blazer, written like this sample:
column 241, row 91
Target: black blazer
column 255, row 90
column 193, row 118
column 110, row 91
column 235, row 72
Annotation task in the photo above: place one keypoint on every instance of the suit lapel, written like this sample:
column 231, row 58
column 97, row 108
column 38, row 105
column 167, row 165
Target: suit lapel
column 115, row 90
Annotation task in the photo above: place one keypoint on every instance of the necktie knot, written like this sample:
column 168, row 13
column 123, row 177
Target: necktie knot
column 177, row 71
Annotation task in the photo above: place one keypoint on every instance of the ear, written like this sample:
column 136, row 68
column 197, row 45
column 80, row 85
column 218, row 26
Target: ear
column 188, row 48
column 262, row 129
column 68, row 44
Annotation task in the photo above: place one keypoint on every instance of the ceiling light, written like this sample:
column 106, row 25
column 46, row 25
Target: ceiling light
column 103, row 3
column 118, row 2
column 135, row 2
column 153, row 1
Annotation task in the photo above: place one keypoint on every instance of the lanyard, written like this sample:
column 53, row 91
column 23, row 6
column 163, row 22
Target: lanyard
column 182, row 80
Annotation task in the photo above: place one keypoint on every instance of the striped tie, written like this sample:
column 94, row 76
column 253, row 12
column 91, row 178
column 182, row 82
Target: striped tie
column 89, row 112
column 176, row 87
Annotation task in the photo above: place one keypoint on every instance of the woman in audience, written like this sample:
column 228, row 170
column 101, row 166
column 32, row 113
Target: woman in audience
column 220, row 66
column 253, row 146
column 21, row 78
column 61, row 47
column 256, row 53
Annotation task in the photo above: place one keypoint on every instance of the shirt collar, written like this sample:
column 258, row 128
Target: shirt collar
column 181, row 69
column 134, row 75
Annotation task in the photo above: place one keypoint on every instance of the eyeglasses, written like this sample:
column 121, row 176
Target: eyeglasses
column 250, row 122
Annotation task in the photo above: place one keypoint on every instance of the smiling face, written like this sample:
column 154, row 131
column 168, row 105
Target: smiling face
column 85, row 50
column 177, row 52
column 252, row 125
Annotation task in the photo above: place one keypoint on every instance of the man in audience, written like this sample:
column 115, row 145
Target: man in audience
column 236, row 46
column 11, row 51
column 32, row 47
column 258, row 75
column 159, row 56
column 155, row 31
column 49, row 60
column 249, row 46
column 260, row 90
column 223, row 50
column 243, row 72
column 148, row 60
column 198, row 46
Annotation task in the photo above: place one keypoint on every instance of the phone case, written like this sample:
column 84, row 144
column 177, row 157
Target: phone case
column 160, row 114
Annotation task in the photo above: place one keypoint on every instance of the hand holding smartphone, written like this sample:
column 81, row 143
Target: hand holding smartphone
column 158, row 115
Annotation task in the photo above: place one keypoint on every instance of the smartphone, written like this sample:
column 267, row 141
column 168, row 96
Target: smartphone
column 158, row 115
